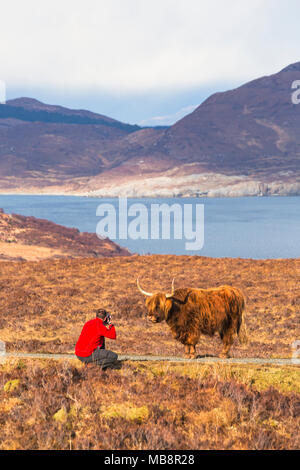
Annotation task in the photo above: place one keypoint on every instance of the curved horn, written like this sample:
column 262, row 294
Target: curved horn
column 173, row 290
column 143, row 291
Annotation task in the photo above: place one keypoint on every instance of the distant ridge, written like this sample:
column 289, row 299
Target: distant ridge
column 26, row 109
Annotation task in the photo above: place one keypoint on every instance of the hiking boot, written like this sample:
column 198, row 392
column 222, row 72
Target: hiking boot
column 115, row 365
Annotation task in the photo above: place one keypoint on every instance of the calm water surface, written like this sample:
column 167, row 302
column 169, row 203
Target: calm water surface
column 256, row 227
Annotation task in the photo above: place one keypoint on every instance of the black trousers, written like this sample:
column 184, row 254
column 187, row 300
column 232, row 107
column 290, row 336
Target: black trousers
column 101, row 357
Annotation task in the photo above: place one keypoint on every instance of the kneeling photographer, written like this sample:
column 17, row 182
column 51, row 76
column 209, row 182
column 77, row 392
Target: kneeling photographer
column 90, row 347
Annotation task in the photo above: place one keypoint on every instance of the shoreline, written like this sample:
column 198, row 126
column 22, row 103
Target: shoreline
column 166, row 186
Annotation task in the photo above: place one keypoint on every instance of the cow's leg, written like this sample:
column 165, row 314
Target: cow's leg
column 228, row 338
column 187, row 351
column 193, row 352
column 190, row 351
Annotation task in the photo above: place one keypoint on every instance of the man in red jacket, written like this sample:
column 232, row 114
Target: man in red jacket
column 90, row 346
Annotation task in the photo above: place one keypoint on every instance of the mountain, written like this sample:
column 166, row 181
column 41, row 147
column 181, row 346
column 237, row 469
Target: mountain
column 31, row 110
column 244, row 141
column 51, row 141
column 252, row 128
column 29, row 238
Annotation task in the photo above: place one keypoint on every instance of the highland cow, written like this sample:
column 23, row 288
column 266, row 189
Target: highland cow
column 191, row 312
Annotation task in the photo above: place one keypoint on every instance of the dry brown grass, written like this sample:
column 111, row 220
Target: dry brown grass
column 12, row 251
column 43, row 305
column 64, row 405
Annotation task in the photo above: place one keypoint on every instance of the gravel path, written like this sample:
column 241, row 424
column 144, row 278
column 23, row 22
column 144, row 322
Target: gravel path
column 204, row 360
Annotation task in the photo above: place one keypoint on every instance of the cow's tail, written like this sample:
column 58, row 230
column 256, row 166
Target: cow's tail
column 242, row 330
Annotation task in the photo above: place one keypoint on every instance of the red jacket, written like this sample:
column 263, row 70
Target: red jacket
column 92, row 335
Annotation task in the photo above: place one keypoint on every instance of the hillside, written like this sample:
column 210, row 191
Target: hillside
column 51, row 299
column 48, row 145
column 145, row 405
column 238, row 142
column 253, row 128
column 148, row 407
column 244, row 141
column 29, row 238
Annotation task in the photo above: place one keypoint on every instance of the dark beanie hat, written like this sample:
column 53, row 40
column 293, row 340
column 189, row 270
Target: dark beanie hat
column 101, row 313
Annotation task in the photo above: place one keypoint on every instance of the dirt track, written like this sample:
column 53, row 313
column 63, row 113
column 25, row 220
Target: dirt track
column 207, row 359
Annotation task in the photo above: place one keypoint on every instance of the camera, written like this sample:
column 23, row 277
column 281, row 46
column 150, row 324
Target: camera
column 107, row 319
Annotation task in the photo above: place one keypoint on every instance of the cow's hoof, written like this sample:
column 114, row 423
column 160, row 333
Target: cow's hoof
column 224, row 356
column 193, row 356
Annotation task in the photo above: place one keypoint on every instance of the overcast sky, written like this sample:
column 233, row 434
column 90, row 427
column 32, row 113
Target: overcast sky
column 147, row 62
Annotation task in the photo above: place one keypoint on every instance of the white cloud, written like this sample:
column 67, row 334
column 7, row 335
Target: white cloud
column 169, row 118
column 2, row 92
column 126, row 45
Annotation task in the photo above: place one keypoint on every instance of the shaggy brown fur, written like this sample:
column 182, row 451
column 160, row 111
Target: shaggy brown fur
column 190, row 312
